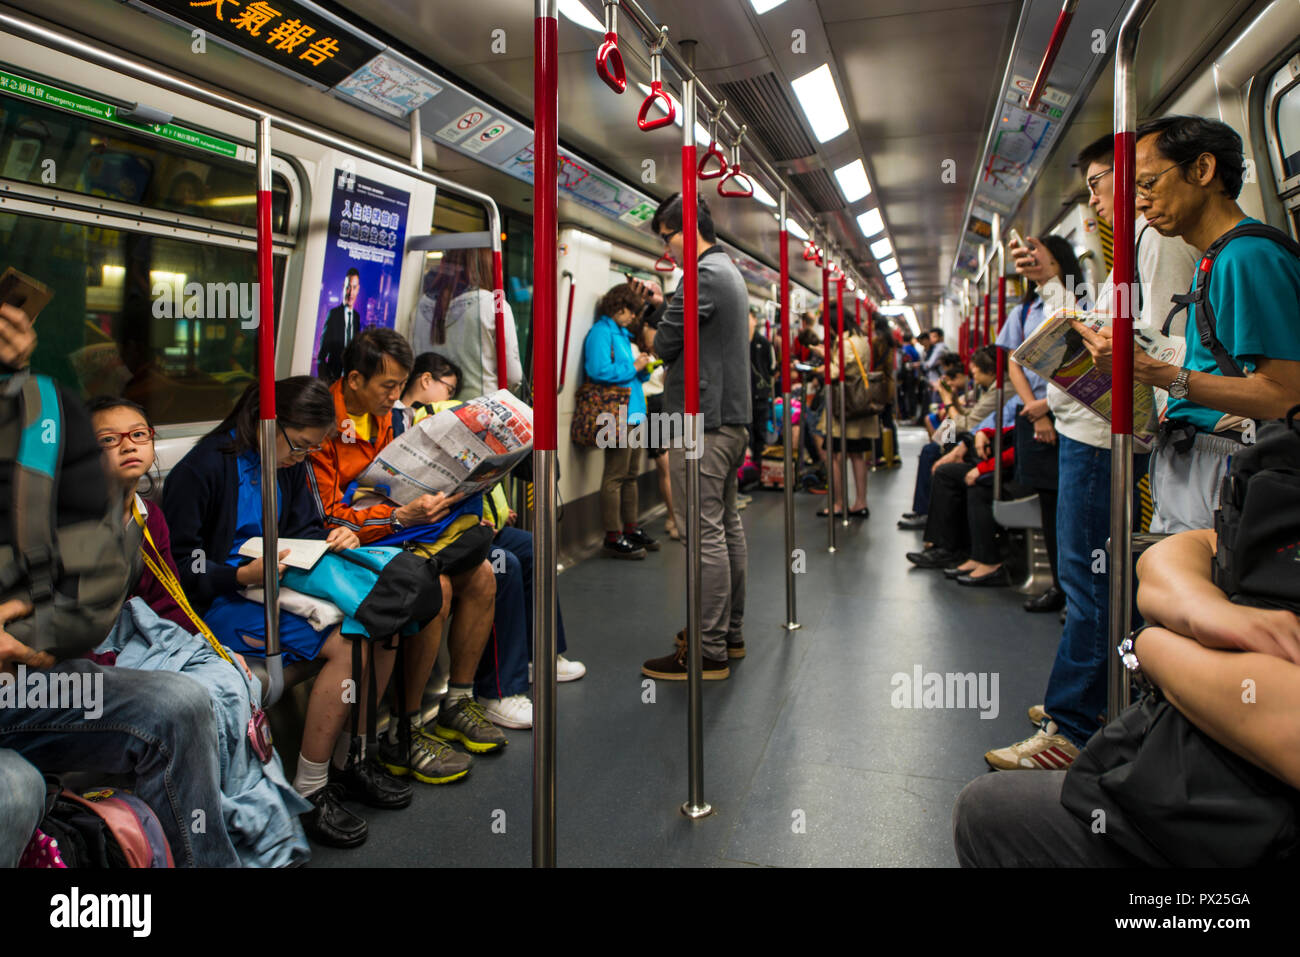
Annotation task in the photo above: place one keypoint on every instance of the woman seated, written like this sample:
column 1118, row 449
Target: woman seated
column 213, row 503
column 259, row 808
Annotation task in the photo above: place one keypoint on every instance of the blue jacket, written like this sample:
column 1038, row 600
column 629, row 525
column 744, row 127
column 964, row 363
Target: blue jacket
column 259, row 808
column 607, row 359
column 201, row 501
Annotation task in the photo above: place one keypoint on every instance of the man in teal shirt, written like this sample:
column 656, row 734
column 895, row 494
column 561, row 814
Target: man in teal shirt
column 1189, row 174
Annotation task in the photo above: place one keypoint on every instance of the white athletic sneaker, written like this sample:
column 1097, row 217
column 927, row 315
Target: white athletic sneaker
column 515, row 711
column 1046, row 751
column 565, row 670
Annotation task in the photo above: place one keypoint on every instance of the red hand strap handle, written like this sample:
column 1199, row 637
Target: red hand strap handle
column 665, row 263
column 609, row 61
column 714, row 152
column 810, row 252
column 742, row 187
column 656, row 89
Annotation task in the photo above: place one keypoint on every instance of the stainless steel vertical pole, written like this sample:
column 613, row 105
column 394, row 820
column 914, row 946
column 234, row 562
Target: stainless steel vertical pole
column 266, row 401
column 828, row 442
column 787, row 416
column 1121, row 425
column 417, row 141
column 545, row 306
column 844, row 434
column 695, row 806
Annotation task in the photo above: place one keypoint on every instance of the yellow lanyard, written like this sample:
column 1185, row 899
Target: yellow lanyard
column 158, row 566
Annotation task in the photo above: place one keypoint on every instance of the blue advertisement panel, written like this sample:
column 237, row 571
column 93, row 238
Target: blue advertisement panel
column 363, row 262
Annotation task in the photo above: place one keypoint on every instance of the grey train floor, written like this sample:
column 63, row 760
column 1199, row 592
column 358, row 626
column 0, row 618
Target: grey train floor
column 804, row 731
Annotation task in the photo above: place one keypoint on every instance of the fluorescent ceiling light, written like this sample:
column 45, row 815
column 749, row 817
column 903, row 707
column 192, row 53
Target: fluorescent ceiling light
column 821, row 103
column 762, row 6
column 871, row 223
column 853, row 181
column 888, row 266
column 579, row 14
column 882, row 248
column 795, row 229
column 762, row 195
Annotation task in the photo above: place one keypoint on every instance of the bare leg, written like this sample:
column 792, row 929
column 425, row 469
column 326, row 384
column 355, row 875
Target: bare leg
column 327, row 708
column 471, row 621
column 421, row 650
column 839, row 492
column 859, row 482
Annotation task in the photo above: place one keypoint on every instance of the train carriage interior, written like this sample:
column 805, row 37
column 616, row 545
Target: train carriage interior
column 176, row 173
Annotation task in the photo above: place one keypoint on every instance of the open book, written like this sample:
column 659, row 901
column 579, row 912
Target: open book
column 456, row 451
column 1056, row 351
column 304, row 553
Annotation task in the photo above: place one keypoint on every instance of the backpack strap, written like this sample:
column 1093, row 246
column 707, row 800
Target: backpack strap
column 40, row 449
column 1200, row 296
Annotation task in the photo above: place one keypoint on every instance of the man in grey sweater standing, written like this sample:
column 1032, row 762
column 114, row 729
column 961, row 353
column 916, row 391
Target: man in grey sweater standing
column 725, row 408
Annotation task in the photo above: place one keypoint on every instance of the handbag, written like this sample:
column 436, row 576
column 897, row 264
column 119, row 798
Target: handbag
column 1174, row 797
column 593, row 400
column 866, row 393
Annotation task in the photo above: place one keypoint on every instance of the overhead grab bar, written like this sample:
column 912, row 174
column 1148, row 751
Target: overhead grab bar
column 734, row 174
column 1053, row 48
column 609, row 61
column 657, row 88
column 713, row 152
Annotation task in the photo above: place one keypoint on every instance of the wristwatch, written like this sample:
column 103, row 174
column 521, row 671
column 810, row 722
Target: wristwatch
column 1178, row 388
column 1128, row 655
column 395, row 525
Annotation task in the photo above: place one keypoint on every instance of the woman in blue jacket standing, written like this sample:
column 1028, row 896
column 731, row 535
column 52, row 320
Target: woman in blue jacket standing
column 608, row 360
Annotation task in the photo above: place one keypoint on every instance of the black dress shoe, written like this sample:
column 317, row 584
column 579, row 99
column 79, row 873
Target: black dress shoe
column 907, row 515
column 639, row 537
column 1051, row 600
column 621, row 548
column 370, row 784
column 912, row 524
column 953, row 573
column 997, row 579
column 935, row 558
column 330, row 823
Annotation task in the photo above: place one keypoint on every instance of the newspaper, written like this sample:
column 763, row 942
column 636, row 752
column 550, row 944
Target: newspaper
column 1056, row 351
column 456, row 451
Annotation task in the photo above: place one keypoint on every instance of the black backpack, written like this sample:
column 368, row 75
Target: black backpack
column 1258, row 520
column 1200, row 294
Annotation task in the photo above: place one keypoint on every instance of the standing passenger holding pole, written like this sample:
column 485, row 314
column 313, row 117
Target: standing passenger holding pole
column 725, row 405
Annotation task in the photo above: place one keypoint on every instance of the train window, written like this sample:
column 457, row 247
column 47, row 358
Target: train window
column 163, row 321
column 1284, row 136
column 1288, row 130
column 48, row 147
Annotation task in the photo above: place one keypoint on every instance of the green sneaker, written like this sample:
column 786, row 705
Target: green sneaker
column 466, row 722
column 430, row 759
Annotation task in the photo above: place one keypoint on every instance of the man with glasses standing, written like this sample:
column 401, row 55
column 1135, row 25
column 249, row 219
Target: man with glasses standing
column 1189, row 175
column 1076, row 689
column 725, row 407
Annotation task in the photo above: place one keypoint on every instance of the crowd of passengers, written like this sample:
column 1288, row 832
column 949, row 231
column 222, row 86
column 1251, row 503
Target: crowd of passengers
column 1196, row 645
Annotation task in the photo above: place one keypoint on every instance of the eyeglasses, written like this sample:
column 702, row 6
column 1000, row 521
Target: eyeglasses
column 297, row 449
column 1096, row 178
column 452, row 387
column 668, row 237
column 111, row 440
column 1144, row 188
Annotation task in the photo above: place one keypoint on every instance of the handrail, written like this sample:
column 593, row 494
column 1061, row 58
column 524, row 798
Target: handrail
column 787, row 416
column 656, row 89
column 734, row 173
column 1053, row 48
column 1121, row 424
column 609, row 61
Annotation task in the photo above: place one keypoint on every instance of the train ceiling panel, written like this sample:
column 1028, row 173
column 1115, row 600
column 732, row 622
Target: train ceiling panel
column 770, row 115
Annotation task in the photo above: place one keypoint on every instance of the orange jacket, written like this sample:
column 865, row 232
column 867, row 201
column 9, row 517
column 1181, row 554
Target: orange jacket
column 339, row 463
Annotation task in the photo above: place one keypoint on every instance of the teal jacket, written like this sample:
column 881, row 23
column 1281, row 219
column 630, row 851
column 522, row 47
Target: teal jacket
column 607, row 359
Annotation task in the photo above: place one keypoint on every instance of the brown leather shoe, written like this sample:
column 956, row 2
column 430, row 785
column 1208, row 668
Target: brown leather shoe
column 673, row 667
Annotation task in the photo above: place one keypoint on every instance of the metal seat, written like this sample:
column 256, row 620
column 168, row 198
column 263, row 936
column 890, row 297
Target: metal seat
column 1019, row 513
column 1026, row 514
column 295, row 672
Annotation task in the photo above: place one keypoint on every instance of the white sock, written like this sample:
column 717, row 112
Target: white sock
column 456, row 692
column 311, row 776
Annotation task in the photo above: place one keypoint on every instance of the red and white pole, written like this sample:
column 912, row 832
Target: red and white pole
column 787, row 414
column 546, row 107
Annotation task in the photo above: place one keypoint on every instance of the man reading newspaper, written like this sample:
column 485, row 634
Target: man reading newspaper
column 430, row 512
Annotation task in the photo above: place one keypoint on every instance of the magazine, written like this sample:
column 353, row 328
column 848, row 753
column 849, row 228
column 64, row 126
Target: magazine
column 459, row 451
column 1056, row 352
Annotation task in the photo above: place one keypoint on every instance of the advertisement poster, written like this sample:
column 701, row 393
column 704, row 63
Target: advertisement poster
column 363, row 262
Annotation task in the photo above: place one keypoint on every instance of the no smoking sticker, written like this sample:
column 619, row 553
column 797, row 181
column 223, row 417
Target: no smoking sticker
column 463, row 125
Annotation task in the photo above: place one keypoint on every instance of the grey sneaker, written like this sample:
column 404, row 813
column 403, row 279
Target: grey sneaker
column 430, row 759
column 465, row 722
